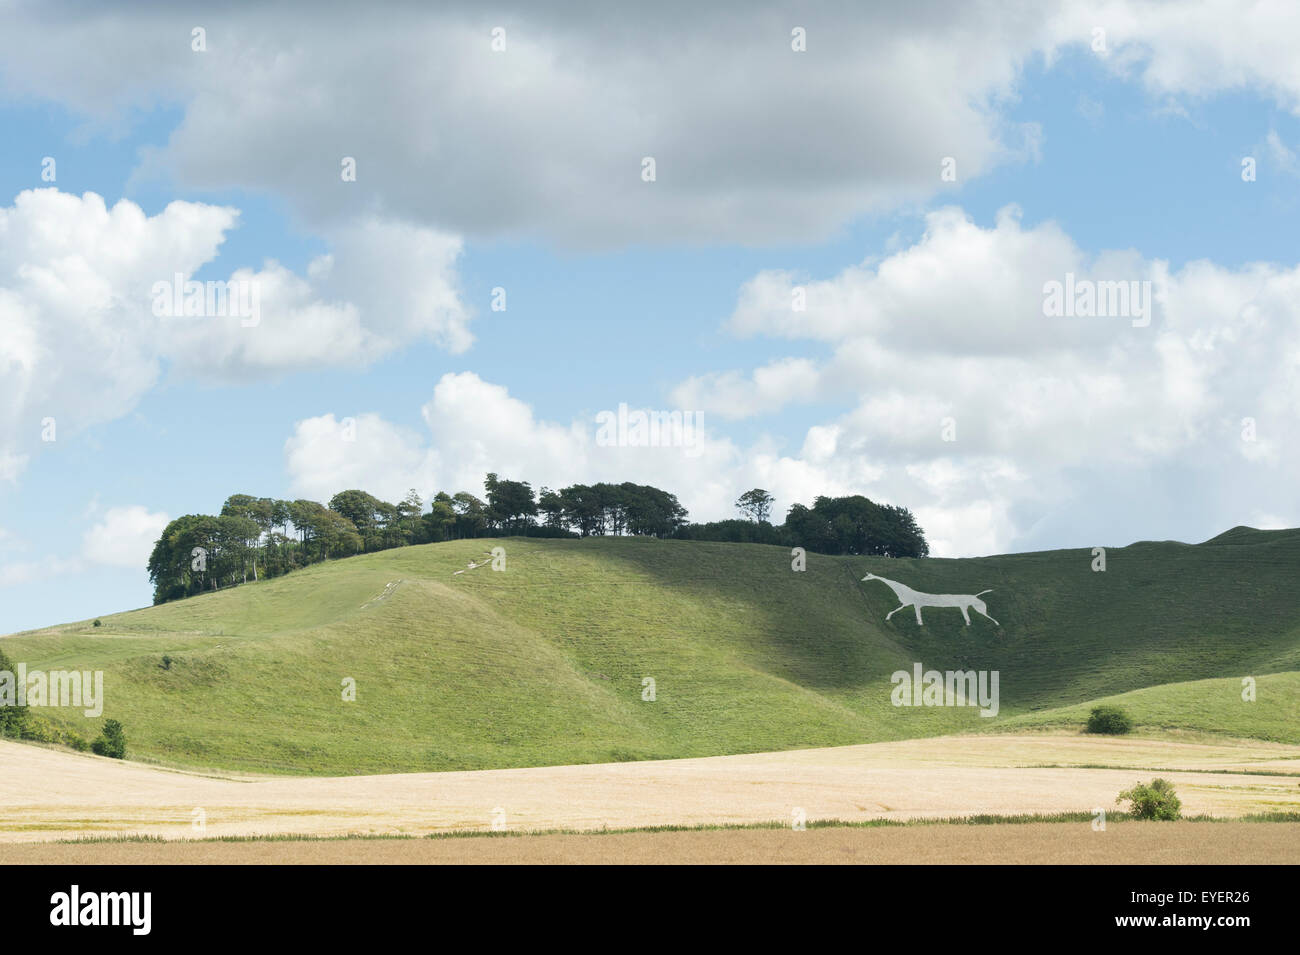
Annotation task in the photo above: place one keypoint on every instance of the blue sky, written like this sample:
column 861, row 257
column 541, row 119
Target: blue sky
column 605, row 307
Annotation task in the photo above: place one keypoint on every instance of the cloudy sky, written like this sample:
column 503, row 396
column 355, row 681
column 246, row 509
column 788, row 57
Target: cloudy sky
column 839, row 264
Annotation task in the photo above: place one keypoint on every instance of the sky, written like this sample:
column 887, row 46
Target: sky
column 838, row 264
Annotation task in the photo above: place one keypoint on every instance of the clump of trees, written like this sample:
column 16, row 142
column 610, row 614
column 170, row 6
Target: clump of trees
column 833, row 525
column 258, row 537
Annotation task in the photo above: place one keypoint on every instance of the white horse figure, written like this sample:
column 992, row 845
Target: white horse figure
column 916, row 600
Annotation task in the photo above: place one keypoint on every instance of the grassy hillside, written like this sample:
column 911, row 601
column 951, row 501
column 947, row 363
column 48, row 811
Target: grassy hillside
column 543, row 664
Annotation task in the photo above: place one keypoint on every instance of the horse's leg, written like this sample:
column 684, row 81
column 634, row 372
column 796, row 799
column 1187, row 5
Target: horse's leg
column 919, row 621
column 986, row 615
column 894, row 611
column 964, row 615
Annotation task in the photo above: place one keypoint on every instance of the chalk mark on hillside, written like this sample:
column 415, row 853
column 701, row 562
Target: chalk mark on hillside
column 388, row 592
column 916, row 599
column 474, row 565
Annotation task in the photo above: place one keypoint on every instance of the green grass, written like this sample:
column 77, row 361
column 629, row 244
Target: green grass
column 1213, row 707
column 543, row 664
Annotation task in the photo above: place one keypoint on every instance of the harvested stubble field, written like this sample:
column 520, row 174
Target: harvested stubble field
column 48, row 794
column 1042, row 843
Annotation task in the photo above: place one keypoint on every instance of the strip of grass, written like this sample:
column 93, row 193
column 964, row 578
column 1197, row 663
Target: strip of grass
column 1166, row 769
column 977, row 820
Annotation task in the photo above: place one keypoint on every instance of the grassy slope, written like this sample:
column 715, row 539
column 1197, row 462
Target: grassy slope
column 543, row 664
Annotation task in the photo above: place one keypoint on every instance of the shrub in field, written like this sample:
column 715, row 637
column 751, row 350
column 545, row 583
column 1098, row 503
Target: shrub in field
column 1154, row 801
column 111, row 742
column 1109, row 719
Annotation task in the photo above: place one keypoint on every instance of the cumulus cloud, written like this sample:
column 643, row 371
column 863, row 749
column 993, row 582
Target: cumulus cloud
column 80, row 340
column 990, row 417
column 997, row 423
column 326, row 455
column 124, row 538
column 475, row 426
column 1194, row 48
column 753, row 141
column 731, row 394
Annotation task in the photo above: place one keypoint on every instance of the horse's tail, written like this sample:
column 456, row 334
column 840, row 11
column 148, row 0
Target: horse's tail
column 983, row 592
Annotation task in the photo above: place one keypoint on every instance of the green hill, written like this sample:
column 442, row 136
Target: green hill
column 544, row 663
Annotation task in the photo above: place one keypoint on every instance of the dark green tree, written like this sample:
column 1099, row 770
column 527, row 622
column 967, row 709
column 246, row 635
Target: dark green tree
column 510, row 504
column 111, row 741
column 756, row 505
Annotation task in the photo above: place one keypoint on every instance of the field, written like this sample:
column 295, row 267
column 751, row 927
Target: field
column 48, row 794
column 1043, row 843
column 545, row 664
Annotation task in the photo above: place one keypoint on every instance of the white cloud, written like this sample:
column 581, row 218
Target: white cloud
column 1081, row 428
column 77, row 341
column 80, row 343
column 1195, row 48
column 754, row 142
column 326, row 455
column 1047, row 413
column 731, row 395
column 124, row 538
column 475, row 426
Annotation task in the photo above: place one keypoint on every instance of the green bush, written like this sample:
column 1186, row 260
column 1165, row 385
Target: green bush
column 1109, row 719
column 38, row 729
column 98, row 622
column 13, row 718
column 1156, row 801
column 42, row 730
column 111, row 742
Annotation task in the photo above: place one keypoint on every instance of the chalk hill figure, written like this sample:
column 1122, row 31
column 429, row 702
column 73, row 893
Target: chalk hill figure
column 916, row 600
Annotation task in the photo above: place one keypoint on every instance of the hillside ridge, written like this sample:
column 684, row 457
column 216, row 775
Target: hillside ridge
column 547, row 662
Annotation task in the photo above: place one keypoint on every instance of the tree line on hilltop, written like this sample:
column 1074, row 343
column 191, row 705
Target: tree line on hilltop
column 258, row 537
